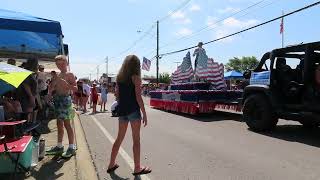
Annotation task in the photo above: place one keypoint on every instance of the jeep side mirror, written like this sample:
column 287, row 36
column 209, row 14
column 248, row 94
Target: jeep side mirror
column 247, row 74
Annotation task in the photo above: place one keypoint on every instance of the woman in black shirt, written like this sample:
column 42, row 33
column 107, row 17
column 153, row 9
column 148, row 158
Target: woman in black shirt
column 128, row 93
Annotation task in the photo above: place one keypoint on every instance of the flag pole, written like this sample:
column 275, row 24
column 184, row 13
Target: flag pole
column 157, row 53
column 282, row 30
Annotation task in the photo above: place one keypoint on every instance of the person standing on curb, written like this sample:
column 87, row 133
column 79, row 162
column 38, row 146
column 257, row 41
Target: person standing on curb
column 28, row 90
column 63, row 85
column 128, row 92
column 43, row 91
column 42, row 81
column 86, row 94
column 104, row 96
column 94, row 97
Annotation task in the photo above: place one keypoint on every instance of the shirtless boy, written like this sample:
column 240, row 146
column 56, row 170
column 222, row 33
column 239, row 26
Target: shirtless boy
column 63, row 85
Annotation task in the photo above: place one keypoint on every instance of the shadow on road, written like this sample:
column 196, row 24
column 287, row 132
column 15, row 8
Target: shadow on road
column 216, row 116
column 114, row 176
column 48, row 170
column 44, row 127
column 296, row 133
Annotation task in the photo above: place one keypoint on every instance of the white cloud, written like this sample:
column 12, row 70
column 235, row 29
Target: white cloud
column 232, row 25
column 211, row 21
column 228, row 10
column 177, row 15
column 184, row 32
column 186, row 21
column 180, row 18
column 235, row 23
column 195, row 7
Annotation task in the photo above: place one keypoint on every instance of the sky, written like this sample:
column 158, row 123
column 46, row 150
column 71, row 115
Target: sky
column 98, row 29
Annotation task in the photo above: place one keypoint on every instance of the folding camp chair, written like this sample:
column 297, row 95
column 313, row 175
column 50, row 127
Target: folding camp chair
column 14, row 149
column 11, row 129
column 24, row 127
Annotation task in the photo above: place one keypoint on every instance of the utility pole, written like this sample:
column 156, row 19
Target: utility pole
column 157, row 52
column 282, row 29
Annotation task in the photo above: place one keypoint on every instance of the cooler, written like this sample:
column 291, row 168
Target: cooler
column 20, row 149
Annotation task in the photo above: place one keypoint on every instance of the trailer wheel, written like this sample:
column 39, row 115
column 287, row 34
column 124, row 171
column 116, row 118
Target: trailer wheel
column 258, row 113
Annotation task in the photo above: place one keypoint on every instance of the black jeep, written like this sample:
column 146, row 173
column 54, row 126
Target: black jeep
column 283, row 86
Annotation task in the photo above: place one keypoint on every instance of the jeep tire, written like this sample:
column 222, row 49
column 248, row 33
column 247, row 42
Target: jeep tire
column 309, row 125
column 258, row 113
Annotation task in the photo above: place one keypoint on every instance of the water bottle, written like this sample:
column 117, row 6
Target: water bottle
column 35, row 152
column 2, row 114
column 42, row 145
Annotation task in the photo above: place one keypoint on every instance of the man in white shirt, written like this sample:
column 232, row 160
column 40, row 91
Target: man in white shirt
column 42, row 81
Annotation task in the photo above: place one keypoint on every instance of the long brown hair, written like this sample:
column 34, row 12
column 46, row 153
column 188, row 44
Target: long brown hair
column 129, row 68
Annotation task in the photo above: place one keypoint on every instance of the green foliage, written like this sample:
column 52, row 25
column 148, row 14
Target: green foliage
column 164, row 78
column 242, row 64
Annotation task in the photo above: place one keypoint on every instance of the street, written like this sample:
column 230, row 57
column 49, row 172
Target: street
column 217, row 146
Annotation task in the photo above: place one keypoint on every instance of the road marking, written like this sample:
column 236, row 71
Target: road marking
column 122, row 152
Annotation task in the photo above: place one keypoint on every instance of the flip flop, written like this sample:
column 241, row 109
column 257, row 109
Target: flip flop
column 144, row 170
column 110, row 170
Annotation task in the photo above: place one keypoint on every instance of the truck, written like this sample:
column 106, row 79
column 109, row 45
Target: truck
column 283, row 86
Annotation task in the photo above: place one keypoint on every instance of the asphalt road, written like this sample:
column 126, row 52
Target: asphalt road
column 217, row 147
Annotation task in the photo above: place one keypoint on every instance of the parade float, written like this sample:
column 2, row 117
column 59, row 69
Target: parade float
column 202, row 90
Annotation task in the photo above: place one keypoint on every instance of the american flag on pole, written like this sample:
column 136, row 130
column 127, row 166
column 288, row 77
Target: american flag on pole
column 146, row 64
column 281, row 26
column 184, row 71
column 211, row 71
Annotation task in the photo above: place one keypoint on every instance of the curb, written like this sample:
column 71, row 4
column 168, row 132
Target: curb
column 84, row 163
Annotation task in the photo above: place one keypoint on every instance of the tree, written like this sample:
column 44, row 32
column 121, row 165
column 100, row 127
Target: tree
column 242, row 64
column 164, row 78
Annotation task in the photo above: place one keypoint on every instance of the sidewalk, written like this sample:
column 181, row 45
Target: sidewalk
column 79, row 167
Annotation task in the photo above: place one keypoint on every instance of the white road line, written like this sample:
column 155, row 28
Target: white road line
column 122, row 152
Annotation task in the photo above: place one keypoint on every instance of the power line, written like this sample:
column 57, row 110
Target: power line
column 272, row 2
column 183, row 5
column 153, row 26
column 217, row 22
column 247, row 29
column 145, row 45
column 138, row 40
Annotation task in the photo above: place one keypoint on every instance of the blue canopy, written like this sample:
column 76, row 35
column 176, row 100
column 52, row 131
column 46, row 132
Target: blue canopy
column 22, row 34
column 5, row 87
column 233, row 75
column 11, row 20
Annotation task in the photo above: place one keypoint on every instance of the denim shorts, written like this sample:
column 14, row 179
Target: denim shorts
column 131, row 117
